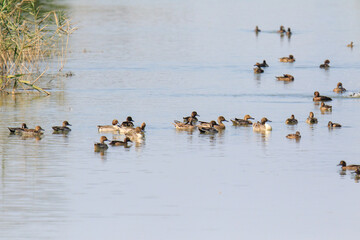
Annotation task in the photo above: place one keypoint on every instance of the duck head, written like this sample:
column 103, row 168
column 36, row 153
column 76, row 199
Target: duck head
column 103, row 139
column 38, row 128
column 342, row 163
column 66, row 123
column 114, row 122
column 316, row 94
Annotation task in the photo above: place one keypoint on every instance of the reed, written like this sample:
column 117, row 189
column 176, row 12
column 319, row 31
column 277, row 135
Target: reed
column 32, row 42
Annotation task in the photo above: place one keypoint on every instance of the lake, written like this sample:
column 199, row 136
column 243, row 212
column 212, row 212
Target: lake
column 158, row 61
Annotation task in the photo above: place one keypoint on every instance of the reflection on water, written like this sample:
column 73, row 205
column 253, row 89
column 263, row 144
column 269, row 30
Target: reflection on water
column 155, row 60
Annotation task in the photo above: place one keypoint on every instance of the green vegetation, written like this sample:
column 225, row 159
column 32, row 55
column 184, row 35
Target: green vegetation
column 32, row 42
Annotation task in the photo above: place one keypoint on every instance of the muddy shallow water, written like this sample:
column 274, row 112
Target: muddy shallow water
column 158, row 61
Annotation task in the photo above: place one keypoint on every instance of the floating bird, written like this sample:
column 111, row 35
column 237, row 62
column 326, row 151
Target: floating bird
column 257, row 29
column 263, row 64
column 339, row 88
column 101, row 145
column 287, row 59
column 351, row 45
column 318, row 98
column 333, row 125
column 208, row 129
column 220, row 126
column 16, row 129
column 258, row 70
column 128, row 123
column 109, row 128
column 193, row 118
column 286, row 77
column 32, row 132
column 294, row 135
column 281, row 30
column 189, row 126
column 325, row 107
column 311, row 119
column 262, row 126
column 325, row 64
column 63, row 129
column 242, row 122
column 120, row 143
column 291, row 120
column 347, row 167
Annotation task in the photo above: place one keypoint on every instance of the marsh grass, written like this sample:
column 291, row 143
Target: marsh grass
column 32, row 42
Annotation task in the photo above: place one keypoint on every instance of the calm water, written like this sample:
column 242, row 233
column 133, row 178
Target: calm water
column 158, row 61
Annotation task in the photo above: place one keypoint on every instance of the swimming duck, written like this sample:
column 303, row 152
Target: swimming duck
column 318, row 98
column 120, row 143
column 347, row 167
column 109, row 128
column 339, row 88
column 101, row 145
column 333, row 125
column 220, row 126
column 287, row 59
column 135, row 134
column 350, row 45
column 32, row 132
column 281, row 30
column 63, row 128
column 263, row 125
column 286, row 77
column 288, row 33
column 257, row 29
column 192, row 117
column 291, row 120
column 294, row 135
column 324, row 107
column 242, row 122
column 208, row 129
column 189, row 126
column 258, row 70
column 263, row 64
column 16, row 129
column 325, row 64
column 128, row 123
column 311, row 119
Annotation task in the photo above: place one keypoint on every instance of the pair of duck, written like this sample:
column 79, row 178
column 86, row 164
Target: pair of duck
column 125, row 127
column 24, row 130
column 103, row 146
column 259, row 66
column 282, row 31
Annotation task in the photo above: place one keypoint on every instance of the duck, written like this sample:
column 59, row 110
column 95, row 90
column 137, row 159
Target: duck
column 311, row 119
column 136, row 134
column 294, row 135
column 351, row 45
column 120, row 143
column 101, row 145
column 291, row 120
column 242, row 122
column 347, row 167
column 333, row 125
column 188, row 126
column 192, row 117
column 286, row 77
column 288, row 33
column 281, row 30
column 220, row 126
column 325, row 107
column 16, row 129
column 109, row 128
column 128, row 123
column 287, row 59
column 339, row 88
column 208, row 129
column 263, row 64
column 32, row 132
column 325, row 64
column 258, row 70
column 63, row 128
column 257, row 29
column 263, row 125
column 318, row 98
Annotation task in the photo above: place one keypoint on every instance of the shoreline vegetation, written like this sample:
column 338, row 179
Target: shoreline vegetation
column 33, row 41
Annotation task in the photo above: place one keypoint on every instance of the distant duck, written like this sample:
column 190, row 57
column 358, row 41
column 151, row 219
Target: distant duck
column 325, row 107
column 339, row 88
column 32, row 132
column 325, row 65
column 128, row 123
column 188, row 126
column 263, row 64
column 347, row 167
column 351, row 45
column 262, row 126
column 120, row 143
column 208, row 129
column 242, row 122
column 311, row 119
column 101, row 145
column 288, row 33
column 257, row 30
column 281, row 30
column 16, row 129
column 258, row 70
column 192, row 117
column 109, row 128
column 286, row 77
column 333, row 125
column 318, row 98
column 291, row 120
column 136, row 134
column 220, row 126
column 64, row 128
column 294, row 135
column 287, row 59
